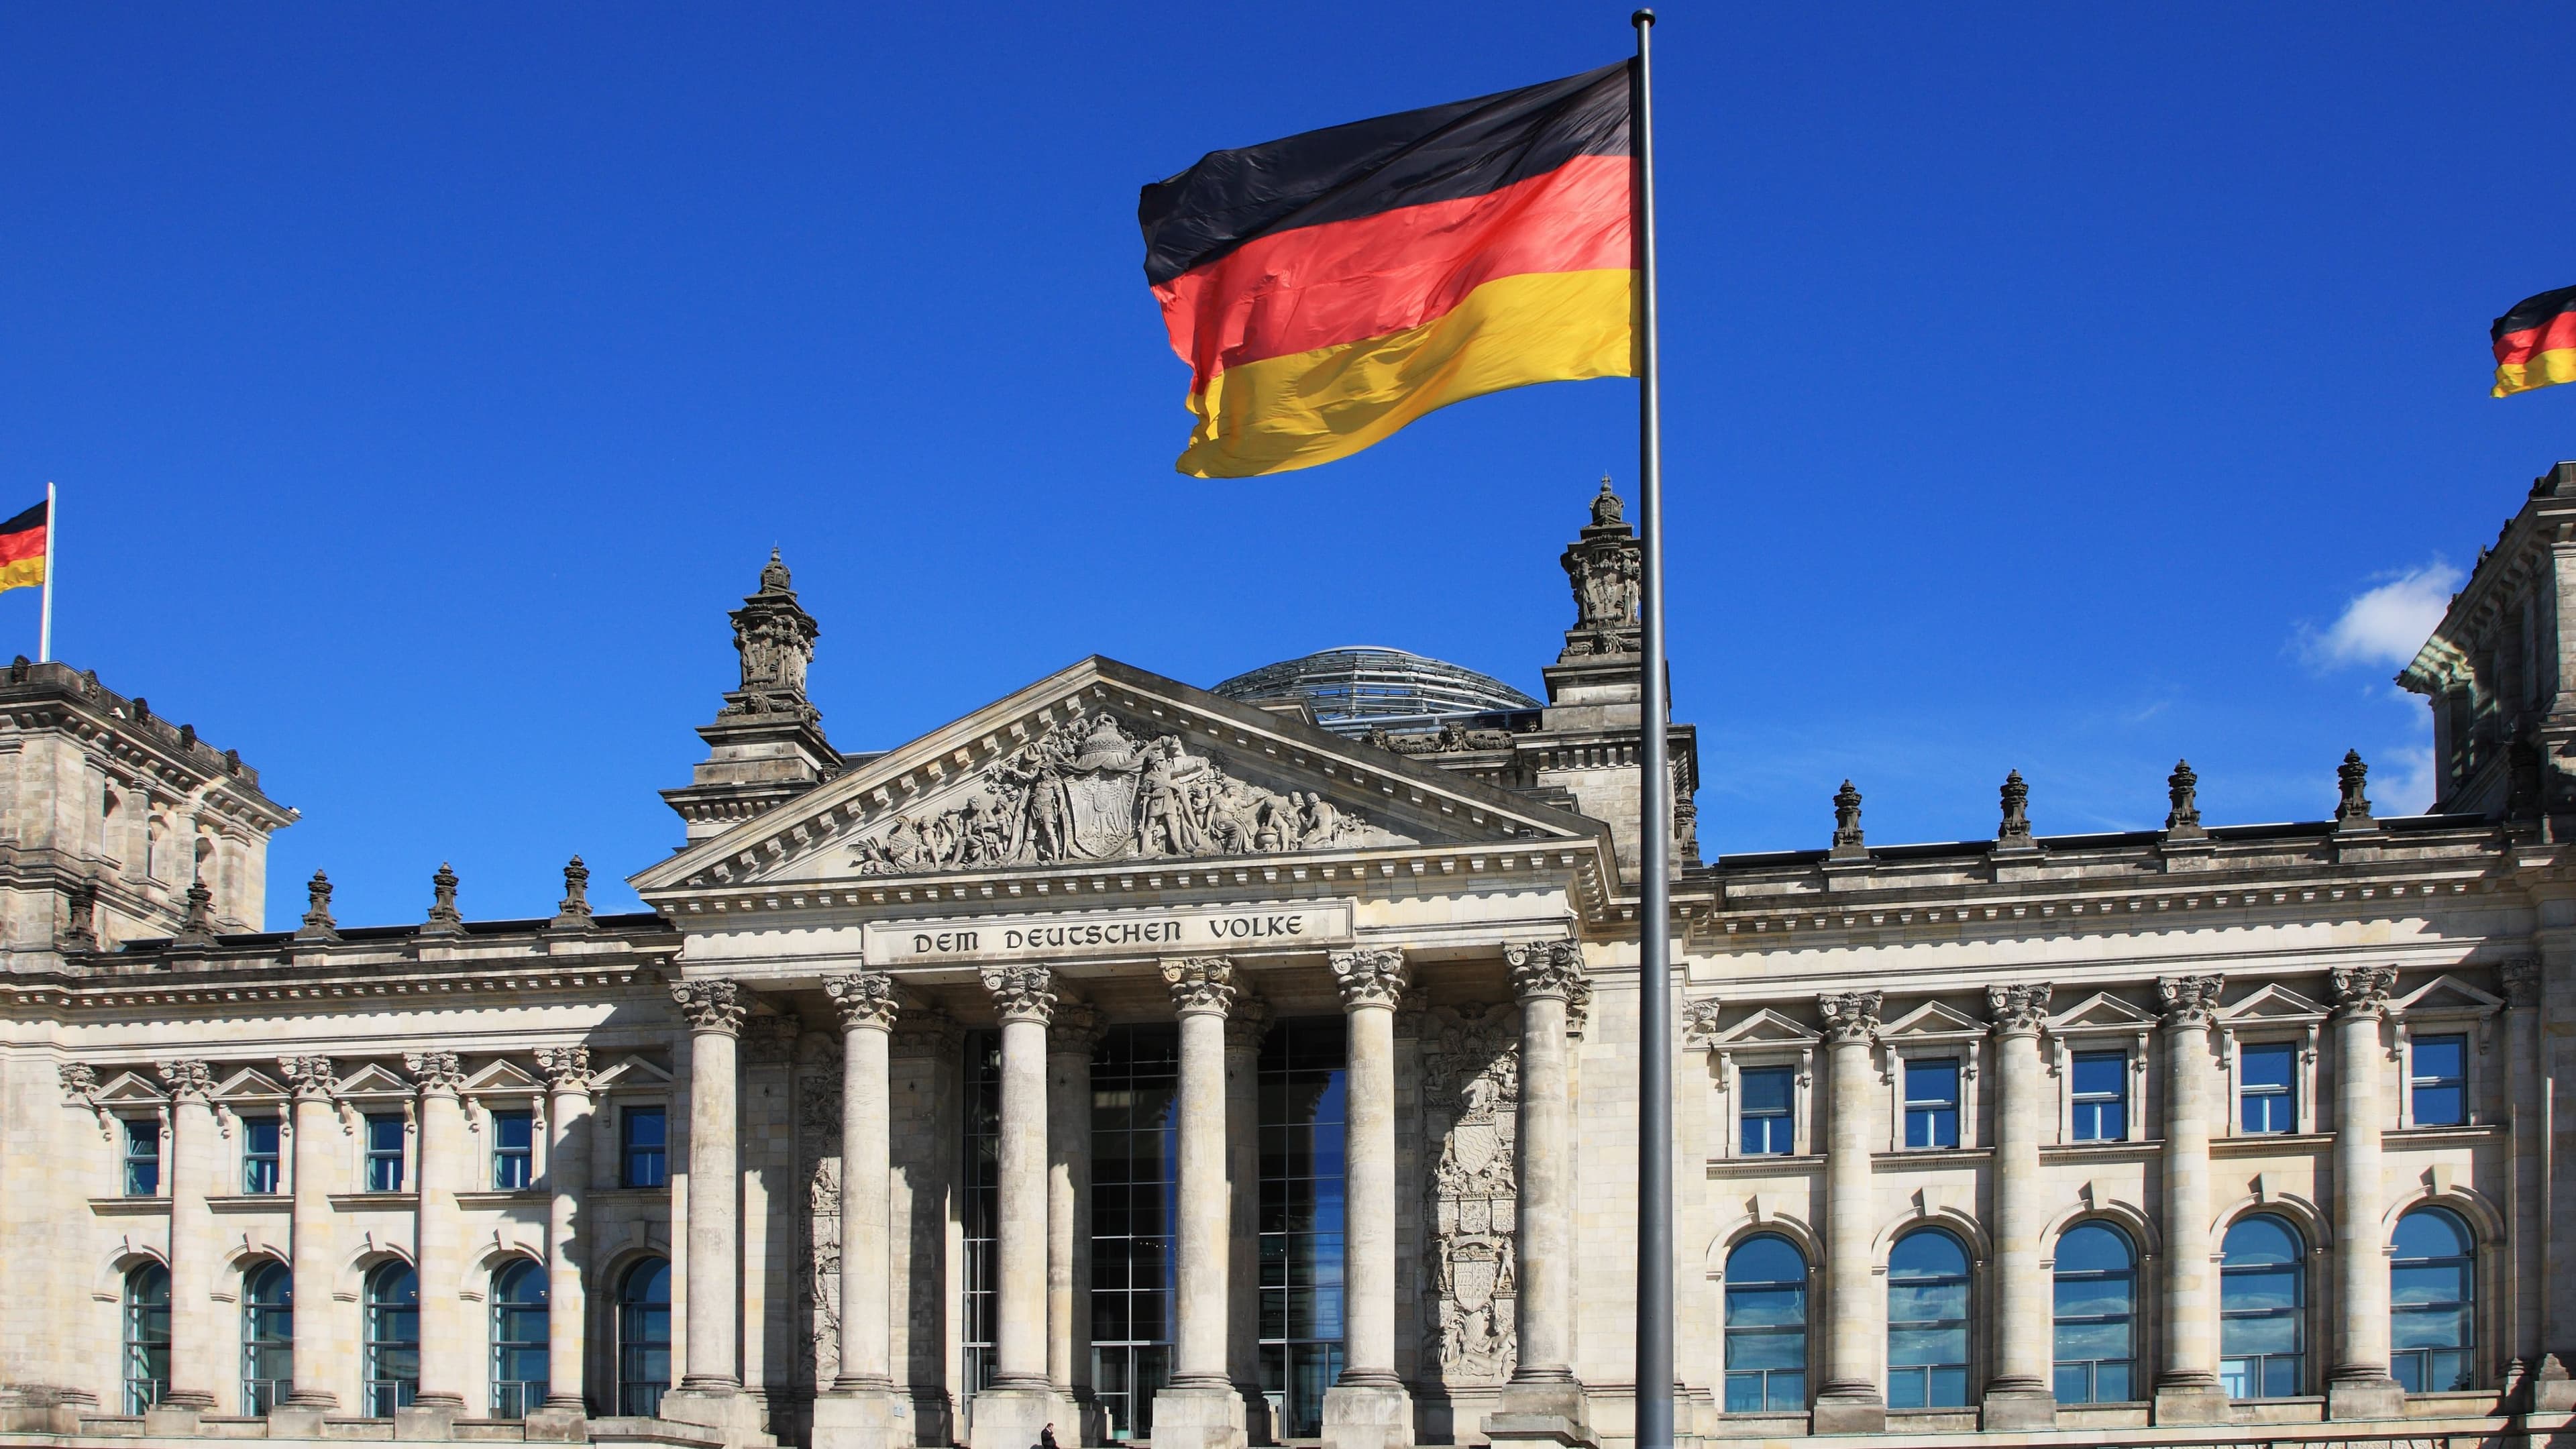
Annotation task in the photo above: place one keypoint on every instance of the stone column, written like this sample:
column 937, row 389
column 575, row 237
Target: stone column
column 1071, row 1039
column 1543, row 1399
column 1849, row 1400
column 859, row 1411
column 1369, row 1408
column 197, row 1356
column 2187, row 1387
column 2022, row 1393
column 1199, row 1408
column 710, row 1387
column 319, row 1139
column 438, row 1250
column 1021, row 1403
column 1246, row 1023
column 564, row 1416
column 2526, row 1089
column 2360, row 1386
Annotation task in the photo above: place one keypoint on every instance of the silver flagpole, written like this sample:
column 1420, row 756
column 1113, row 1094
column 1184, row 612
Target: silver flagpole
column 1654, row 909
column 45, row 615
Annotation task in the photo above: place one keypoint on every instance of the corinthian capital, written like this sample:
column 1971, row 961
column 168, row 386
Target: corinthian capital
column 1076, row 1029
column 436, row 1072
column 566, row 1069
column 1246, row 1023
column 309, row 1078
column 1200, row 984
column 2017, row 1010
column 1544, row 968
column 2361, row 990
column 1020, row 992
column 1850, row 1015
column 866, row 999
column 2521, row 981
column 1369, row 978
column 709, row 1005
column 2188, row 1001
column 186, row 1081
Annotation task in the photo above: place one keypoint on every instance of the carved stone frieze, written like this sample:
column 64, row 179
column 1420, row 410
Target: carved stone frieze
column 2017, row 1010
column 1020, row 992
column 1471, row 1101
column 1200, row 983
column 308, row 1077
column 709, row 1005
column 1089, row 789
column 1369, row 978
column 2188, row 1001
column 866, row 999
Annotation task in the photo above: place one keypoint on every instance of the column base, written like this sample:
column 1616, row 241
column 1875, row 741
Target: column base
column 1014, row 1417
column 42, row 1409
column 1195, row 1418
column 729, row 1411
column 1850, row 1414
column 1368, row 1416
column 2192, row 1404
column 175, row 1418
column 297, row 1421
column 427, row 1421
column 2365, row 1398
column 1541, row 1412
column 861, row 1418
column 2018, row 1409
column 557, row 1424
column 1257, row 1425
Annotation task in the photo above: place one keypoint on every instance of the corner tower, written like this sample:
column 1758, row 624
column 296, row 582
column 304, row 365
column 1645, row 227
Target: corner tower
column 766, row 745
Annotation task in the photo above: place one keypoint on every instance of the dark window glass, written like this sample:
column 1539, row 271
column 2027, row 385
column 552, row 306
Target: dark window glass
column 268, row 1337
column 259, row 1155
column 2433, row 1303
column 513, row 1154
column 1766, row 1327
column 1135, row 1185
column 2268, row 1085
column 2097, row 1316
column 1927, row 1322
column 644, row 1338
column 2101, row 1096
column 646, row 1143
column 147, row 1337
column 392, row 1339
column 1767, row 1096
column 2438, row 1073
column 518, row 1339
column 980, row 1324
column 1932, row 1103
column 384, row 1154
column 1301, row 1085
column 2263, row 1309
column 142, row 1157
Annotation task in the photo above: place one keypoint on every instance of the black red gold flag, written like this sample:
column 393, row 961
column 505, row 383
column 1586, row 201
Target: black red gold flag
column 1331, row 287
column 22, row 549
column 2535, row 343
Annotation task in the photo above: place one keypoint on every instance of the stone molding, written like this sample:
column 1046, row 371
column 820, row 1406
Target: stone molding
column 1850, row 1016
column 1200, row 984
column 2190, row 1002
column 2017, row 1010
column 1020, row 992
column 1369, row 978
column 709, row 1005
column 1544, row 969
column 866, row 1000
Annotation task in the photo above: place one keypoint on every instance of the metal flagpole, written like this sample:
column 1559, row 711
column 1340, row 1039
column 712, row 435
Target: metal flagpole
column 1654, row 910
column 45, row 614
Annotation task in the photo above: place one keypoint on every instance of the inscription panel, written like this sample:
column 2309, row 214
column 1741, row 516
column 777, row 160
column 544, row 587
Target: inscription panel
column 1077, row 934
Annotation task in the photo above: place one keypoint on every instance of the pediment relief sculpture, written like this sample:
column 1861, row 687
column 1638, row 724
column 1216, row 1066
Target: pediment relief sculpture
column 1092, row 790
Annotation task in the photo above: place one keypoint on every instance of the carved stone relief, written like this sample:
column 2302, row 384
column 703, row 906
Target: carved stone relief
column 1471, row 1095
column 818, row 1247
column 1091, row 790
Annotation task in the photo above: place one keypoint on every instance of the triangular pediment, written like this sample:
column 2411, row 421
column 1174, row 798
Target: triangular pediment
column 2273, row 1003
column 631, row 1073
column 373, row 1080
column 2447, row 993
column 2101, row 1012
column 502, row 1076
column 250, row 1083
column 1103, row 764
column 1764, row 1027
column 129, row 1087
column 1933, row 1018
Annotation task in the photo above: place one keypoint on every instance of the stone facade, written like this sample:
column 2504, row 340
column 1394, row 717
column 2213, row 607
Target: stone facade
column 833, row 1146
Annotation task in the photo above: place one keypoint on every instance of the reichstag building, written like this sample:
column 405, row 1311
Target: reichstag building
column 1131, row 1062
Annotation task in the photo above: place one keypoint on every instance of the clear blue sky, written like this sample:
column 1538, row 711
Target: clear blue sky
column 2045, row 384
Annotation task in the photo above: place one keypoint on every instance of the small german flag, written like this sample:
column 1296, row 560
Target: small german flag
column 2535, row 343
column 1329, row 288
column 22, row 549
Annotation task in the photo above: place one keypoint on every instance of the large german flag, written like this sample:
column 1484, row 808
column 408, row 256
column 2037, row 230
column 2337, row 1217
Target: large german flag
column 2535, row 343
column 22, row 549
column 1330, row 288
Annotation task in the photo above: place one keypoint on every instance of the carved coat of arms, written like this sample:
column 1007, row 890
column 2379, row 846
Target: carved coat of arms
column 1472, row 1073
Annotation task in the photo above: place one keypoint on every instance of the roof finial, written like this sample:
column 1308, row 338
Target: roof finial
column 773, row 576
column 1606, row 508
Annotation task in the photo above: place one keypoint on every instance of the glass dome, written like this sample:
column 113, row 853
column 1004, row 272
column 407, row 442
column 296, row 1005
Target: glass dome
column 1360, row 687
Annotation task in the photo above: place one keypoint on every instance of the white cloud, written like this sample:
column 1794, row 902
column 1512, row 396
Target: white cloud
column 2404, row 785
column 2387, row 624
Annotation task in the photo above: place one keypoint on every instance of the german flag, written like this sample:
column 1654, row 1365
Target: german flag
column 1330, row 288
column 2535, row 343
column 22, row 549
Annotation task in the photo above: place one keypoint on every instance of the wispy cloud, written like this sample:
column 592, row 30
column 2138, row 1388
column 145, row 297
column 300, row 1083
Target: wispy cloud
column 2386, row 624
column 2403, row 785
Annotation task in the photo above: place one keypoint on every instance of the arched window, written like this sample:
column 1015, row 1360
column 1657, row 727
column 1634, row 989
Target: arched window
column 1927, row 1322
column 393, row 1339
column 268, row 1337
column 147, row 1337
column 2097, row 1316
column 2263, row 1309
column 2433, row 1303
column 518, row 1339
column 643, row 1337
column 1766, row 1326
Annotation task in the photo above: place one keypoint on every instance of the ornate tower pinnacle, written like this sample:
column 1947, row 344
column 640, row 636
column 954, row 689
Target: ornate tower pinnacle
column 775, row 637
column 766, row 744
column 1605, row 564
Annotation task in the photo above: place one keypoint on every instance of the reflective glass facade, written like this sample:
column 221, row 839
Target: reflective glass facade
column 1303, row 1082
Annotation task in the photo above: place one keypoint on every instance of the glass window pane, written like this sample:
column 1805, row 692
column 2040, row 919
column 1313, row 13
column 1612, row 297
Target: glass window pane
column 1935, row 1081
column 1759, row 1307
column 2440, row 1106
column 2281, row 1377
column 1766, row 1351
column 2092, row 1340
column 2258, row 1335
column 1907, row 1346
column 2444, row 1057
column 2262, row 1239
column 2429, row 1328
column 2268, row 1064
column 2072, row 1387
column 1766, row 1089
column 2111, row 1383
column 2431, row 1233
column 1928, row 1253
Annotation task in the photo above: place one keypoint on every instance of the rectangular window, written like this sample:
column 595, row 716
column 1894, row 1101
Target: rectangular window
column 259, row 1156
column 142, row 1157
column 1932, row 1103
column 2268, row 1086
column 1766, row 1096
column 1135, row 1207
column 2101, row 1096
column 646, row 1140
column 2438, row 1076
column 513, row 1158
column 1303, row 1084
column 979, row 1324
column 384, row 1152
